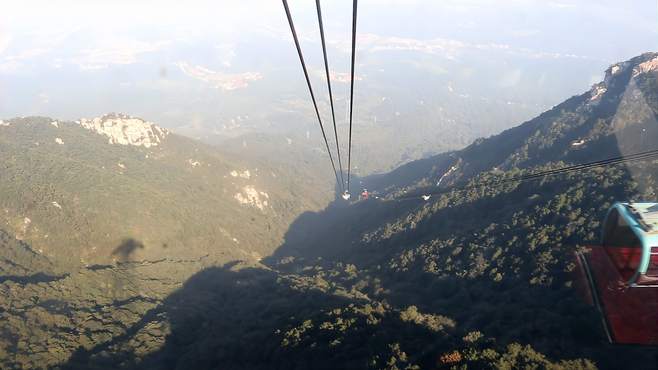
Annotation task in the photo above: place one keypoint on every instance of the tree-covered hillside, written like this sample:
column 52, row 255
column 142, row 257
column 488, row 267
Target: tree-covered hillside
column 76, row 198
column 480, row 275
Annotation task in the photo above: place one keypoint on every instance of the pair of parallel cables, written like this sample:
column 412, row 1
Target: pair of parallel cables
column 341, row 181
column 642, row 156
column 652, row 154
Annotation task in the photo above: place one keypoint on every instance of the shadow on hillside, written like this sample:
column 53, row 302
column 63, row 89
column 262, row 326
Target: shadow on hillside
column 366, row 230
column 37, row 278
column 225, row 317
column 126, row 249
column 552, row 319
column 222, row 317
column 338, row 228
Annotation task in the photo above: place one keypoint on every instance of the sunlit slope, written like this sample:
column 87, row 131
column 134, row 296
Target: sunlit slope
column 78, row 194
column 470, row 209
column 616, row 117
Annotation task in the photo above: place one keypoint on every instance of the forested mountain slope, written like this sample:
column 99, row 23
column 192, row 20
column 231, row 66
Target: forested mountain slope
column 614, row 117
column 100, row 219
column 496, row 259
column 117, row 188
column 478, row 278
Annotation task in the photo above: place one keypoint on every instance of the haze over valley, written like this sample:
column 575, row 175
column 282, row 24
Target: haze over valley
column 431, row 76
column 167, row 199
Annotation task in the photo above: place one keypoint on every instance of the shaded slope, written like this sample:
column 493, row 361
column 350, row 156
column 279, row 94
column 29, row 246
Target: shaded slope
column 468, row 278
column 478, row 278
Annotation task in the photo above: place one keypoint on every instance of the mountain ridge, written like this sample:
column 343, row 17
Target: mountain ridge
column 133, row 186
column 479, row 278
column 617, row 78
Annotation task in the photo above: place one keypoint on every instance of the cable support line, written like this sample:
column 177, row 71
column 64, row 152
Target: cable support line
column 541, row 174
column 331, row 96
column 349, row 145
column 310, row 87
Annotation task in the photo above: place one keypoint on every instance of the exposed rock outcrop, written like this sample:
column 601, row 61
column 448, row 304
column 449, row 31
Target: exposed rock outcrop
column 126, row 130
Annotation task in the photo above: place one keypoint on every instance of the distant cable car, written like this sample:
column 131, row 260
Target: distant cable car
column 620, row 276
column 365, row 195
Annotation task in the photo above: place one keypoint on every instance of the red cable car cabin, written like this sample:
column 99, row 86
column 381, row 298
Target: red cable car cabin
column 620, row 276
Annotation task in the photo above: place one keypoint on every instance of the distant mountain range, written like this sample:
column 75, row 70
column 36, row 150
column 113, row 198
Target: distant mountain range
column 477, row 277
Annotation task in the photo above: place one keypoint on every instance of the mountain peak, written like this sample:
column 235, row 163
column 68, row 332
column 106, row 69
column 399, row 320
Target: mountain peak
column 645, row 63
column 650, row 64
column 124, row 129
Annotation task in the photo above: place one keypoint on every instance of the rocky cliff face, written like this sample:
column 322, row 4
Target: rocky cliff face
column 648, row 63
column 126, row 130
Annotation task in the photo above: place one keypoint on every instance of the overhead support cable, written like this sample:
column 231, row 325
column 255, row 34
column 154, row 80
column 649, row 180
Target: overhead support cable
column 651, row 154
column 349, row 145
column 331, row 96
column 310, row 87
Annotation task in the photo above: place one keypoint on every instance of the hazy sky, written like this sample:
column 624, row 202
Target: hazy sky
column 594, row 28
column 77, row 57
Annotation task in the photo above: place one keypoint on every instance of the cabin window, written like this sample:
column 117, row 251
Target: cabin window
column 622, row 245
column 653, row 263
column 618, row 233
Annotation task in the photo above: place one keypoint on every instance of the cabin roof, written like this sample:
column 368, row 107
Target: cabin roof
column 646, row 214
